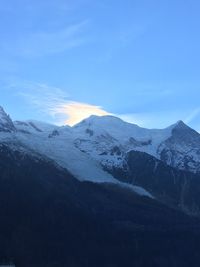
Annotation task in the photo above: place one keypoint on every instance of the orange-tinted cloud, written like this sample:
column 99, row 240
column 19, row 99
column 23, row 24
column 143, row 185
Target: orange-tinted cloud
column 76, row 112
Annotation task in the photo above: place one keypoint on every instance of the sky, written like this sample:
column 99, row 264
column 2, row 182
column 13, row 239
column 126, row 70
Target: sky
column 64, row 60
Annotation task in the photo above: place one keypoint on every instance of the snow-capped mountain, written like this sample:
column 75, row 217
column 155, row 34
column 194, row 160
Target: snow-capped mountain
column 98, row 149
column 108, row 139
column 57, row 144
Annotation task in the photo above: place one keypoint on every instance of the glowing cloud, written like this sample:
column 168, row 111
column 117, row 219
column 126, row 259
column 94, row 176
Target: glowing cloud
column 76, row 112
column 55, row 103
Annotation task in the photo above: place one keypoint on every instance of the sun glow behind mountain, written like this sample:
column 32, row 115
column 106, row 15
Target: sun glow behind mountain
column 77, row 112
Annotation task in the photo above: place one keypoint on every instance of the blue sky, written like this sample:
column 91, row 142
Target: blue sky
column 136, row 59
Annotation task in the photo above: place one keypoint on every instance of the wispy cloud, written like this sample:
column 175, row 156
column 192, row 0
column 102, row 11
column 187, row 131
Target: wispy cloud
column 42, row 96
column 56, row 103
column 59, row 106
column 193, row 115
column 48, row 42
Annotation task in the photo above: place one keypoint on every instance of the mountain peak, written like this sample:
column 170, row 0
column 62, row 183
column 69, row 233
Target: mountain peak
column 6, row 124
column 106, row 121
column 2, row 111
column 180, row 123
column 185, row 133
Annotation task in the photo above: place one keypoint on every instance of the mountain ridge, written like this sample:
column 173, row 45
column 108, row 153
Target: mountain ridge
column 177, row 145
column 98, row 148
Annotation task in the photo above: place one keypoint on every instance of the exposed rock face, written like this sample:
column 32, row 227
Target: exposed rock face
column 176, row 188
